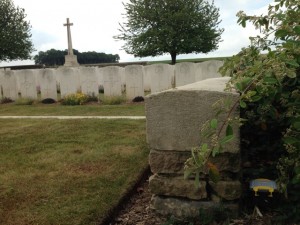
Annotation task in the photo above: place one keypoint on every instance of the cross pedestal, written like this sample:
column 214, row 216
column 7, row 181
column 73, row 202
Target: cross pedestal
column 70, row 59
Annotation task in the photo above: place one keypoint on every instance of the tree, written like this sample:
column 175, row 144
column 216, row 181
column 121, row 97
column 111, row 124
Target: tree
column 51, row 57
column 156, row 27
column 55, row 57
column 15, row 36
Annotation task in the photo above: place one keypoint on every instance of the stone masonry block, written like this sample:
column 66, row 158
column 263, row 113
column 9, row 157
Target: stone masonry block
column 174, row 117
column 165, row 162
column 228, row 190
column 177, row 186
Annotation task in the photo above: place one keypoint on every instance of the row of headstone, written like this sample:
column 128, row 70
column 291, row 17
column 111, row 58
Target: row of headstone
column 114, row 80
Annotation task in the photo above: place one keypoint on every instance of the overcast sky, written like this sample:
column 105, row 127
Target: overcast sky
column 97, row 21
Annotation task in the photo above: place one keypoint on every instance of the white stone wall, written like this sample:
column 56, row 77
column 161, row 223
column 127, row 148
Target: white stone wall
column 132, row 80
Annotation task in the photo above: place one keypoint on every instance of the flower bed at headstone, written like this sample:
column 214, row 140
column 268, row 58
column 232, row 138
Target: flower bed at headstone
column 77, row 99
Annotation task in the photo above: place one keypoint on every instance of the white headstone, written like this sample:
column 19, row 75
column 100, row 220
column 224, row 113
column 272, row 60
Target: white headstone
column 47, row 81
column 161, row 76
column 112, row 81
column 57, row 76
column 134, row 77
column 1, row 80
column 27, row 84
column 9, row 84
column 37, row 74
column 100, row 79
column 123, row 82
column 69, row 80
column 88, row 81
column 184, row 73
column 208, row 69
column 147, row 79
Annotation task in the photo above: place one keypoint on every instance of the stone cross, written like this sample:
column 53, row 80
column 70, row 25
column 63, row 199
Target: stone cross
column 70, row 48
column 70, row 59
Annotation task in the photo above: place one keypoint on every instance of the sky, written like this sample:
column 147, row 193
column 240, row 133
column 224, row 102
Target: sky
column 97, row 21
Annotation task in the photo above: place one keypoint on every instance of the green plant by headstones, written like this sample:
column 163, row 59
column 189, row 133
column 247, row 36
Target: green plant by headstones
column 75, row 99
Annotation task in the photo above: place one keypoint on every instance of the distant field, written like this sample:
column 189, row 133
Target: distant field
column 189, row 60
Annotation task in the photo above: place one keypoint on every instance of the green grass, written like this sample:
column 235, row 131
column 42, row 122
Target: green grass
column 113, row 100
column 79, row 110
column 67, row 172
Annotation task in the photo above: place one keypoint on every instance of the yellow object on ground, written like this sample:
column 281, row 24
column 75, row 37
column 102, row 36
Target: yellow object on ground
column 263, row 185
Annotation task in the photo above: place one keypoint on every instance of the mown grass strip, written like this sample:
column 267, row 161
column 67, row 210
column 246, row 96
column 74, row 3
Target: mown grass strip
column 67, row 172
column 79, row 110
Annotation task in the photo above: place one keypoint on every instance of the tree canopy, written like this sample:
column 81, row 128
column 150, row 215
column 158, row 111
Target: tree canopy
column 15, row 35
column 156, row 27
column 55, row 57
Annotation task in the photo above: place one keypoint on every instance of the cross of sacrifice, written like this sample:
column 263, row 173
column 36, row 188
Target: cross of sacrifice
column 70, row 48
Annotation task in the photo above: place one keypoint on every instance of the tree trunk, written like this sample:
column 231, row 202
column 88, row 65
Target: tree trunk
column 173, row 56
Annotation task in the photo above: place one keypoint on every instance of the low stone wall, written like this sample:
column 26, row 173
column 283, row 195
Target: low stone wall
column 113, row 80
column 174, row 119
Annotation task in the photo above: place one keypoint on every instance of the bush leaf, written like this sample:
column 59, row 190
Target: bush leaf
column 213, row 173
column 243, row 104
column 214, row 123
column 226, row 139
column 229, row 130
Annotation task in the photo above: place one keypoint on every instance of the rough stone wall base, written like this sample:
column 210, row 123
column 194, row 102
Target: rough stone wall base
column 174, row 119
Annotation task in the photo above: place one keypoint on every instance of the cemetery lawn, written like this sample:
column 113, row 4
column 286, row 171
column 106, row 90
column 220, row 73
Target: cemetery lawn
column 78, row 110
column 67, row 172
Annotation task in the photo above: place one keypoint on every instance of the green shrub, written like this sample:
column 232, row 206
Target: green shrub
column 113, row 100
column 75, row 99
column 24, row 101
column 269, row 86
column 267, row 76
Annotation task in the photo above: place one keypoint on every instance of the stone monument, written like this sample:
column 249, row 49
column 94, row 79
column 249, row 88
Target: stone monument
column 70, row 59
